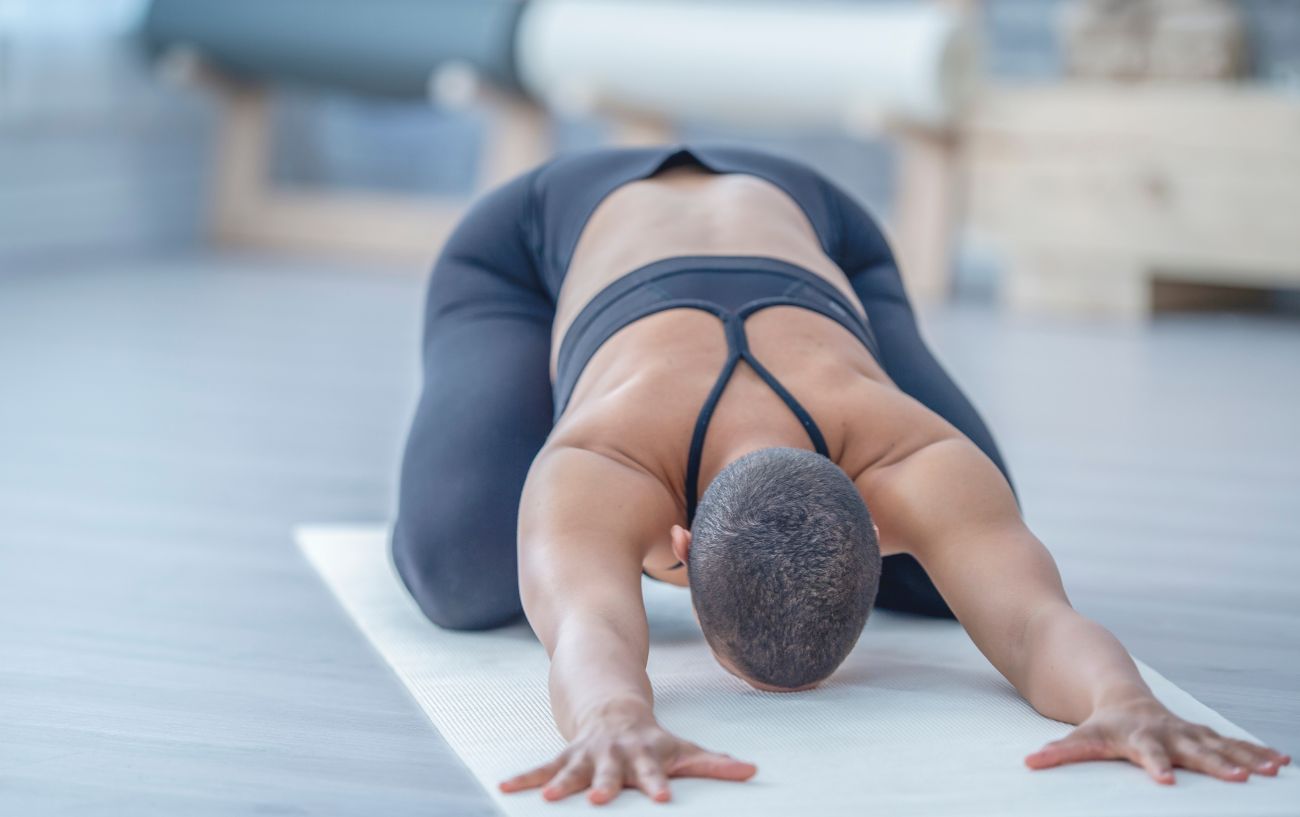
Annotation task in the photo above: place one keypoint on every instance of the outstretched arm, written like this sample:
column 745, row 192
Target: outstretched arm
column 951, row 508
column 586, row 522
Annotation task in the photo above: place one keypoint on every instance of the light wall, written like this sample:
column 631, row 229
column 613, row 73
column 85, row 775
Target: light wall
column 95, row 155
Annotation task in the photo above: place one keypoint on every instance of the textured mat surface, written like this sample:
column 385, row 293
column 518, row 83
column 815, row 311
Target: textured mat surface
column 916, row 722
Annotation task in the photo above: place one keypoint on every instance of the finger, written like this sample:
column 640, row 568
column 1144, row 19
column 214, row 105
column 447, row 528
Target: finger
column 1150, row 754
column 1070, row 750
column 1280, row 757
column 1256, row 749
column 1249, row 756
column 575, row 777
column 1277, row 758
column 702, row 763
column 649, row 777
column 608, row 781
column 533, row 777
column 1198, row 756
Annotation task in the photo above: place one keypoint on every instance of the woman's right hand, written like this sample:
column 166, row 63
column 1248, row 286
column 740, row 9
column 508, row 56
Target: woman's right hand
column 614, row 750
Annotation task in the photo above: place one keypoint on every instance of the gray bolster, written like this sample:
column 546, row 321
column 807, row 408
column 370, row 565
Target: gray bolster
column 387, row 47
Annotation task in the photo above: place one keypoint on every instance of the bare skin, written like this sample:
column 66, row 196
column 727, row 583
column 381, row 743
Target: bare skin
column 605, row 498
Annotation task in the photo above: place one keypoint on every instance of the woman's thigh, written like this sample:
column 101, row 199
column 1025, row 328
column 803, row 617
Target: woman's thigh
column 485, row 410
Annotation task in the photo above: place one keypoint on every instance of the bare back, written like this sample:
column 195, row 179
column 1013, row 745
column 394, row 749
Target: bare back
column 638, row 398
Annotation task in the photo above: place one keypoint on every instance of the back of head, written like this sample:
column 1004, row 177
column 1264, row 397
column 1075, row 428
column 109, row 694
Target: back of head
column 784, row 566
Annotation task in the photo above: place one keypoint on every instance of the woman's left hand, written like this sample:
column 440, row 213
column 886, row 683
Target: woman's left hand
column 1149, row 735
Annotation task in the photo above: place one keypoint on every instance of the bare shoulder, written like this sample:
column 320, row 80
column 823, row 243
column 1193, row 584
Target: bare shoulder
column 643, row 420
column 880, row 426
column 591, row 503
column 580, row 487
column 936, row 494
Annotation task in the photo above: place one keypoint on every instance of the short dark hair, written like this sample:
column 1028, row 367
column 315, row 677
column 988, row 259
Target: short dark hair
column 784, row 565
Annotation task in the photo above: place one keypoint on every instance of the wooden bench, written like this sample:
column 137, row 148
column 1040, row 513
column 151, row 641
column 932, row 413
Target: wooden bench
column 1115, row 200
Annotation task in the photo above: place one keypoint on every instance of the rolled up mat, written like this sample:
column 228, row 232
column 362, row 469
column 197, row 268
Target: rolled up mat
column 749, row 62
column 385, row 47
column 915, row 722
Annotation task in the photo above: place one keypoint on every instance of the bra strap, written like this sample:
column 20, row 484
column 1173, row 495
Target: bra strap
column 737, row 348
column 805, row 419
column 706, row 414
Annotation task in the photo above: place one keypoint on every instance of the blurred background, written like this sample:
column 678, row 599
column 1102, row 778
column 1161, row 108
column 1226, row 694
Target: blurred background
column 109, row 118
column 216, row 220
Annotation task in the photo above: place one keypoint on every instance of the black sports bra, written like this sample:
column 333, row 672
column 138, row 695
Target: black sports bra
column 730, row 287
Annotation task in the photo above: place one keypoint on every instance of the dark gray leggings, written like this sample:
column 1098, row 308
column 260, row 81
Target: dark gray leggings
column 486, row 410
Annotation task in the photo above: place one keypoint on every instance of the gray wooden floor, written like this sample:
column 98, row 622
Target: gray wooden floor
column 164, row 421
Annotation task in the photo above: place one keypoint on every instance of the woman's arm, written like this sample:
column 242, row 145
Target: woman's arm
column 583, row 524
column 952, row 509
column 586, row 522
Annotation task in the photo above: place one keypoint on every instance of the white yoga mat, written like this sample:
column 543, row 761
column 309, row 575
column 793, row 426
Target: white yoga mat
column 916, row 721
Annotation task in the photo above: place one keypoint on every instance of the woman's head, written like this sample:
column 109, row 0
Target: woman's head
column 784, row 565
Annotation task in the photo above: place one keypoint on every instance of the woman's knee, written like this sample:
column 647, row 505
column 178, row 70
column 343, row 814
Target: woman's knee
column 458, row 582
